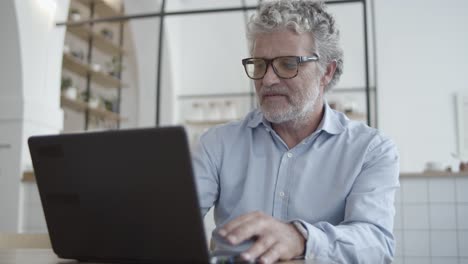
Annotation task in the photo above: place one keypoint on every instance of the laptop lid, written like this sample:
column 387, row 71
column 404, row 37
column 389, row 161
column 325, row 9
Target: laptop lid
column 120, row 196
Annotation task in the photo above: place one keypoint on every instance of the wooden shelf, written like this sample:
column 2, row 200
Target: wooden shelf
column 356, row 116
column 74, row 65
column 102, row 8
column 105, row 79
column 76, row 105
column 98, row 112
column 434, row 174
column 100, row 42
column 80, row 68
column 81, row 106
column 28, row 176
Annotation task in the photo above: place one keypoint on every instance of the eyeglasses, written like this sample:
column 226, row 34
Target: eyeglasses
column 285, row 67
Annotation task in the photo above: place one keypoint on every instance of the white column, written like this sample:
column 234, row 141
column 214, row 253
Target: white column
column 30, row 71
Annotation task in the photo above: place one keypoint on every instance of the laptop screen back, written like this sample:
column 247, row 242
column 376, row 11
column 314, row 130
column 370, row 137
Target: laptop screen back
column 126, row 196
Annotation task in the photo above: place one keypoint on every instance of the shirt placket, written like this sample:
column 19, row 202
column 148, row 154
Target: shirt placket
column 281, row 194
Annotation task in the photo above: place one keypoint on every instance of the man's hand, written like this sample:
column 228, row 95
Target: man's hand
column 275, row 240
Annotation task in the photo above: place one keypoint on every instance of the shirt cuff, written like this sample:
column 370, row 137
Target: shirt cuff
column 316, row 241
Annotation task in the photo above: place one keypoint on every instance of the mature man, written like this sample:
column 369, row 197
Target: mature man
column 296, row 178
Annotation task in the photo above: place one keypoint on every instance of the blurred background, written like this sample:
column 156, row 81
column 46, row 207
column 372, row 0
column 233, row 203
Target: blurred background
column 88, row 65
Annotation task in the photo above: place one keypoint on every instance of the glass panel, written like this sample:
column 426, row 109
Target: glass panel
column 207, row 50
column 350, row 22
column 133, row 7
column 139, row 101
column 352, row 103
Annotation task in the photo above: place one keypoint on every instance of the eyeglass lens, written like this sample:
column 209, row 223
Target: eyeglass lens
column 284, row 67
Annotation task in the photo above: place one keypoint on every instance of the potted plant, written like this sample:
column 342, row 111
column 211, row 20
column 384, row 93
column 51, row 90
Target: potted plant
column 110, row 104
column 115, row 66
column 67, row 88
column 94, row 102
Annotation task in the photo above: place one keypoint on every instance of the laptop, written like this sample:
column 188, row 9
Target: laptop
column 125, row 196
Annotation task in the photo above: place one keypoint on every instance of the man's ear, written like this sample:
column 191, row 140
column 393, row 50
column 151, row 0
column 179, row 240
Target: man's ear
column 328, row 75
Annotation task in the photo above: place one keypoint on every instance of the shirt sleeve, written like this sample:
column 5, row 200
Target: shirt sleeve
column 365, row 235
column 206, row 171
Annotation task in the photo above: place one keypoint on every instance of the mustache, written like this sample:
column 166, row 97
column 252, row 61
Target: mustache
column 266, row 91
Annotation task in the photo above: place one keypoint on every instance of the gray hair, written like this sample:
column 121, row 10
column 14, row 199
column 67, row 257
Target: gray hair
column 301, row 16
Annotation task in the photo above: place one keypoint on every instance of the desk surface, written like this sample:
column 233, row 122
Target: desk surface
column 47, row 256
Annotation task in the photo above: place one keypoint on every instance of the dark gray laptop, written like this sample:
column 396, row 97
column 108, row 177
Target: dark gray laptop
column 120, row 196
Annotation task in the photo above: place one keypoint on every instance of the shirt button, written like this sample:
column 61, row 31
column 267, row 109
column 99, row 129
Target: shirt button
column 267, row 129
column 281, row 194
column 289, row 155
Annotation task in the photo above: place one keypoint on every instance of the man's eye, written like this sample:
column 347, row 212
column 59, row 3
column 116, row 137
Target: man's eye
column 288, row 65
column 259, row 65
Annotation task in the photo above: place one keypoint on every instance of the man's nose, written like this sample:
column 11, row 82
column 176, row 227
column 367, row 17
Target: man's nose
column 270, row 77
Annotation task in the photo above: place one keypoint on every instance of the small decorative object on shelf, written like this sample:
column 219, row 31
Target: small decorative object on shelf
column 96, row 67
column 66, row 49
column 107, row 33
column 94, row 102
column 463, row 166
column 79, row 54
column 434, row 166
column 67, row 88
column 110, row 104
column 84, row 96
column 115, row 66
column 350, row 107
column 75, row 14
column 66, row 82
column 197, row 113
column 229, row 111
column 214, row 112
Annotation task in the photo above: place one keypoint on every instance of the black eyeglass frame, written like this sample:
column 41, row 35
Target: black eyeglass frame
column 300, row 60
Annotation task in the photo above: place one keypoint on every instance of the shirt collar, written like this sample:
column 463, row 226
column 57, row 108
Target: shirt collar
column 330, row 121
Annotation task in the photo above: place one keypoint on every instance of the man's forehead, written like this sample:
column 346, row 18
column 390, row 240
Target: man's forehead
column 283, row 41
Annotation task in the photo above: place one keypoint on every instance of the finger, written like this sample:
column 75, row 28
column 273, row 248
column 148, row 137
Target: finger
column 258, row 224
column 248, row 229
column 259, row 248
column 273, row 254
column 227, row 228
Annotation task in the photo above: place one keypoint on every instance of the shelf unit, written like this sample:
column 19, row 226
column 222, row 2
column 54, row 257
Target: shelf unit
column 95, row 79
column 82, row 106
column 105, row 80
column 100, row 42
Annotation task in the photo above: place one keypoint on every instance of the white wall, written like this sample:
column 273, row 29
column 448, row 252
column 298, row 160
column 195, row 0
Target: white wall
column 10, row 115
column 30, row 73
column 422, row 62
column 145, row 37
column 145, row 33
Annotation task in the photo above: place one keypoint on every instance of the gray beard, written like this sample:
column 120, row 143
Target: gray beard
column 298, row 113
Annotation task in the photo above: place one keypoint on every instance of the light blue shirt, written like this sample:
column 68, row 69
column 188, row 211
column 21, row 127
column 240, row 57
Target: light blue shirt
column 340, row 182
